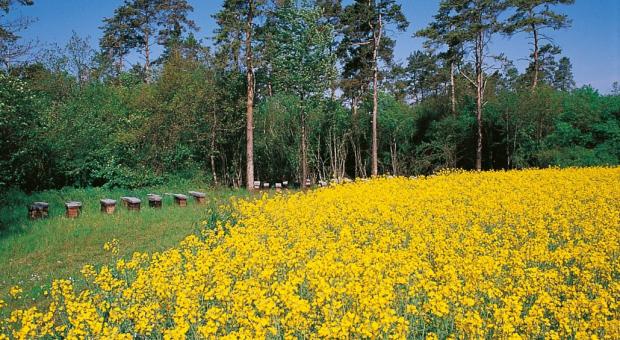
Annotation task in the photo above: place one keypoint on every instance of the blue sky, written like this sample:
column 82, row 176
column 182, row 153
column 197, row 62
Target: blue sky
column 592, row 43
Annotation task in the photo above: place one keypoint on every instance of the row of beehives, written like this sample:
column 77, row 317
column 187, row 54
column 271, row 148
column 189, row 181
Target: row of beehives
column 284, row 185
column 74, row 208
column 267, row 185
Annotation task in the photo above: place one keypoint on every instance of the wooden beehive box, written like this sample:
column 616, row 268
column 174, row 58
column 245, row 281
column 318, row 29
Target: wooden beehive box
column 73, row 209
column 38, row 210
column 132, row 203
column 180, row 200
column 154, row 200
column 108, row 205
column 200, row 197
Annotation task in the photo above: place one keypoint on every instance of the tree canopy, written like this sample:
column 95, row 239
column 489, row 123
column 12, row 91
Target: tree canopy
column 295, row 91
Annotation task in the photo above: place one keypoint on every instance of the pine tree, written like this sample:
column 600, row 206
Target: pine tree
column 532, row 17
column 364, row 44
column 228, row 35
column 116, row 41
column 423, row 74
column 143, row 19
column 476, row 22
column 563, row 76
column 547, row 64
column 236, row 30
column 141, row 24
column 444, row 32
column 173, row 21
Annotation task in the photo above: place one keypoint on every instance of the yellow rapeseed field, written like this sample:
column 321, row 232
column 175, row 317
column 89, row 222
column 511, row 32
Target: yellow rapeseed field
column 519, row 254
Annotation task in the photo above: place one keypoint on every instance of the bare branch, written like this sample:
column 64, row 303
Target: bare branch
column 466, row 77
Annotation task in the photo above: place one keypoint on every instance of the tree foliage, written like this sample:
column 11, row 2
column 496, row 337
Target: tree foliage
column 81, row 116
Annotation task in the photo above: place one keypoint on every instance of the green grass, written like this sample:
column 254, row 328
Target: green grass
column 32, row 253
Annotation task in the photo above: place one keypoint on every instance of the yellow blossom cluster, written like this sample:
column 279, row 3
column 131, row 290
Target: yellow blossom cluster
column 518, row 254
column 111, row 246
column 16, row 292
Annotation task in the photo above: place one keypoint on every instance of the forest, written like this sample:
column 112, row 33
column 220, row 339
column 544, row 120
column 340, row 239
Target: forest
column 294, row 91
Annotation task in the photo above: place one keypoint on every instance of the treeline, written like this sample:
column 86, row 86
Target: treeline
column 293, row 90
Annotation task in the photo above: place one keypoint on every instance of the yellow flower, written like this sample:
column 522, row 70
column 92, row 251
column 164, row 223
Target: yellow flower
column 88, row 271
column 111, row 246
column 15, row 292
column 506, row 254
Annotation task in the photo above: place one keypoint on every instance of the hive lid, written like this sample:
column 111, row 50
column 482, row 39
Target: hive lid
column 73, row 204
column 154, row 198
column 180, row 196
column 108, row 201
column 132, row 200
column 40, row 205
column 197, row 194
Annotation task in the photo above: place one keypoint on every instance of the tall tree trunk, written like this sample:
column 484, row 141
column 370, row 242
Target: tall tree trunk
column 452, row 87
column 394, row 154
column 514, row 145
column 506, row 119
column 536, row 62
column 331, row 147
column 147, row 56
column 236, row 51
column 120, row 65
column 213, row 136
column 375, row 105
column 479, row 96
column 249, row 128
column 304, row 151
column 355, row 137
column 120, row 61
